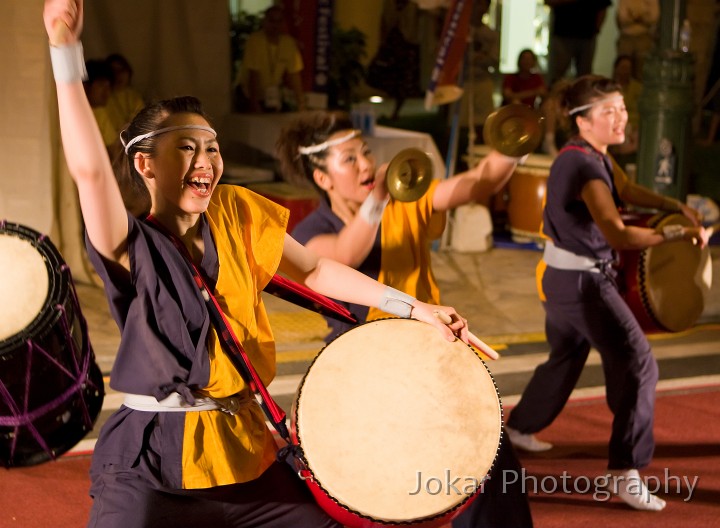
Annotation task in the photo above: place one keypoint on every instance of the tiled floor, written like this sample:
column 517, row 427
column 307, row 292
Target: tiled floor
column 494, row 290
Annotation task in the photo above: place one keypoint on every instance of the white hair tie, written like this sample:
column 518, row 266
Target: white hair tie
column 590, row 105
column 139, row 138
column 313, row 149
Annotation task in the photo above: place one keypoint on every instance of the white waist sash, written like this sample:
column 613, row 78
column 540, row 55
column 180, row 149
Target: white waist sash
column 559, row 258
column 173, row 403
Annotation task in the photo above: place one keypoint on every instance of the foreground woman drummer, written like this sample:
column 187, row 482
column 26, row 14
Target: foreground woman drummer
column 360, row 225
column 170, row 457
column 582, row 304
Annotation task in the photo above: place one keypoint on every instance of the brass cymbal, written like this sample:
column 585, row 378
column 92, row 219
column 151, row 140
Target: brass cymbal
column 514, row 130
column 409, row 175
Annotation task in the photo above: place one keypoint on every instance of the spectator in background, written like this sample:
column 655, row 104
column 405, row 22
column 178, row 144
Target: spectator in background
column 271, row 67
column 573, row 34
column 97, row 89
column 626, row 152
column 526, row 86
column 125, row 101
column 395, row 69
column 637, row 23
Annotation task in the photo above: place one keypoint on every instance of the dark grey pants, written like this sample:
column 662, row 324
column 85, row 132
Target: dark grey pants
column 503, row 501
column 277, row 499
column 585, row 310
column 563, row 51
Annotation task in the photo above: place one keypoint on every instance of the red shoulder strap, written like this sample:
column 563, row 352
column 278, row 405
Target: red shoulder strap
column 572, row 147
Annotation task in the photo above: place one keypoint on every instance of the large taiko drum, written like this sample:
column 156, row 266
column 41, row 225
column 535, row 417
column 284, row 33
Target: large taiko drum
column 526, row 195
column 387, row 415
column 51, row 390
column 665, row 286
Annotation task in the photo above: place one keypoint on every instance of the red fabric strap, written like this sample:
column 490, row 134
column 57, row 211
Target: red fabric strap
column 229, row 340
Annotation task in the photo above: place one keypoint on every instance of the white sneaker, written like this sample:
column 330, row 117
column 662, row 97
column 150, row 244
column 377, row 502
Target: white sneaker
column 629, row 487
column 527, row 442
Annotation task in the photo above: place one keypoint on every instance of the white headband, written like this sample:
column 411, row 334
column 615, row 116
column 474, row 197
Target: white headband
column 312, row 149
column 590, row 105
column 136, row 139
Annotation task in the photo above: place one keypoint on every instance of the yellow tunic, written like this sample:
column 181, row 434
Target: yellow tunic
column 407, row 231
column 218, row 448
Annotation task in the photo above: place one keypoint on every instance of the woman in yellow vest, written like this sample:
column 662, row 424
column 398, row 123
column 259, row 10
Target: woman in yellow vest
column 190, row 446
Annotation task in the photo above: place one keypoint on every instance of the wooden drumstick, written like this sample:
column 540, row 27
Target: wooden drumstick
column 474, row 340
column 713, row 229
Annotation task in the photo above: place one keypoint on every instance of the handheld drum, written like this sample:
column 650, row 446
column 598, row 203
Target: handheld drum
column 51, row 390
column 396, row 425
column 665, row 286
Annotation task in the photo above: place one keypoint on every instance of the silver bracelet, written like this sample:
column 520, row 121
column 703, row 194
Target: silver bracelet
column 68, row 63
column 372, row 209
column 672, row 232
column 397, row 303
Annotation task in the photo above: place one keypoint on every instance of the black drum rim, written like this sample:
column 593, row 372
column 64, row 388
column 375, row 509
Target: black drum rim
column 44, row 321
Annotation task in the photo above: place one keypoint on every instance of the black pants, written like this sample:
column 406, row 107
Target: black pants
column 503, row 502
column 585, row 310
column 277, row 499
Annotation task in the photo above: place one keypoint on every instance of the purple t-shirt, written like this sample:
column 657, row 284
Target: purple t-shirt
column 323, row 221
column 164, row 324
column 566, row 217
column 577, row 19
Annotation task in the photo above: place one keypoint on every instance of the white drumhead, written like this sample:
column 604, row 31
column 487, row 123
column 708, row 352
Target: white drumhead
column 390, row 408
column 24, row 284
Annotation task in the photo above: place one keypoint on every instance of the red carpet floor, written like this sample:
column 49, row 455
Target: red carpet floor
column 561, row 483
column 687, row 455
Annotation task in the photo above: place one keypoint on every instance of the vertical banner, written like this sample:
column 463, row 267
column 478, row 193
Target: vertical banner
column 443, row 87
column 311, row 23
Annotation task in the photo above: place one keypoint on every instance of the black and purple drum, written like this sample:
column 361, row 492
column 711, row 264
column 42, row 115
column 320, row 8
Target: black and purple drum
column 51, row 389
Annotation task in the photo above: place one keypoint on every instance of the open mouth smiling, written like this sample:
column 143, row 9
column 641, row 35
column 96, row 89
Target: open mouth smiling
column 200, row 184
column 370, row 182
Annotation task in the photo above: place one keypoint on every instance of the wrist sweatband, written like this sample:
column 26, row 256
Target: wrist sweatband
column 672, row 232
column 68, row 63
column 372, row 209
column 519, row 160
column 397, row 303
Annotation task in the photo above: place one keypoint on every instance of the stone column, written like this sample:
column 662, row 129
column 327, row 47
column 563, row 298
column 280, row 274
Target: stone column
column 666, row 108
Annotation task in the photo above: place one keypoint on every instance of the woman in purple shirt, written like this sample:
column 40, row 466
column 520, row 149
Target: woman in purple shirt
column 582, row 303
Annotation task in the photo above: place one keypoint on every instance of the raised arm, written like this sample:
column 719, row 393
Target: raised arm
column 477, row 184
column 353, row 243
column 102, row 207
column 335, row 280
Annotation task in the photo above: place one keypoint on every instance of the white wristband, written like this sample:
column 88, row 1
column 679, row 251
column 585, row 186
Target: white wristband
column 521, row 160
column 672, row 232
column 397, row 303
column 68, row 63
column 372, row 209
